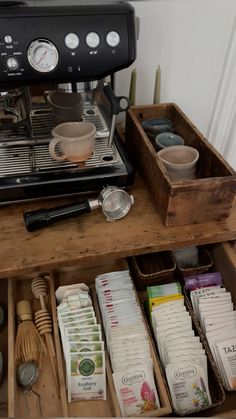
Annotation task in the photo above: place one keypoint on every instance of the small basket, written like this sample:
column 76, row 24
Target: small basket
column 205, row 263
column 152, row 268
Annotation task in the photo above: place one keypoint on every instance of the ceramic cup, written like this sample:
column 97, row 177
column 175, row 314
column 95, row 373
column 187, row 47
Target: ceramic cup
column 180, row 161
column 66, row 106
column 167, row 139
column 75, row 139
column 156, row 126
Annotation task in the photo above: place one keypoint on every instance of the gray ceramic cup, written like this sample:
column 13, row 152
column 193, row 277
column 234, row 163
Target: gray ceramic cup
column 167, row 139
column 180, row 161
column 66, row 106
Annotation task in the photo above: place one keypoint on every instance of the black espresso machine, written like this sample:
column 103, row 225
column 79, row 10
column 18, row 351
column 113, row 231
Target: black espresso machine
column 73, row 48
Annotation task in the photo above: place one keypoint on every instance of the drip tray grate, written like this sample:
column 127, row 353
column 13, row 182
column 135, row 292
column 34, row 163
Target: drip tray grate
column 35, row 158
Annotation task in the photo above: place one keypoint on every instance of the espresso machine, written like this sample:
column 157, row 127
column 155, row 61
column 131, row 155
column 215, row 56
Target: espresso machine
column 74, row 48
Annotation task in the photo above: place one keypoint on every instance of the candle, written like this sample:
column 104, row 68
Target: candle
column 157, row 89
column 132, row 89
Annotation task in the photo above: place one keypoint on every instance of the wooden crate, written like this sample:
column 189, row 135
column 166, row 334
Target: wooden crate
column 207, row 198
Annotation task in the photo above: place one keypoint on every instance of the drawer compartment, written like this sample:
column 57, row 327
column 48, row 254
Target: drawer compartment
column 110, row 407
column 20, row 403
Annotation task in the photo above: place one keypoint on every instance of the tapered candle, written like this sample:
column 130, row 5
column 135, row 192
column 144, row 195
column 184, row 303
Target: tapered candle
column 132, row 89
column 157, row 89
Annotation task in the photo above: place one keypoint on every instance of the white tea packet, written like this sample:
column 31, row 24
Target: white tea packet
column 136, row 391
column 188, row 387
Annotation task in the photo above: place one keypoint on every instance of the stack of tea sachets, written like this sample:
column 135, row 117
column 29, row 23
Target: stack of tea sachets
column 128, row 344
column 181, row 352
column 82, row 343
column 215, row 312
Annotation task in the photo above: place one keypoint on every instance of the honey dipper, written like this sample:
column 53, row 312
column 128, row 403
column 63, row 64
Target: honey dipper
column 43, row 322
column 40, row 290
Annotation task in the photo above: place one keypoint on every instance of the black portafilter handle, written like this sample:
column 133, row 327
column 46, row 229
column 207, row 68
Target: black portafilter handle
column 34, row 220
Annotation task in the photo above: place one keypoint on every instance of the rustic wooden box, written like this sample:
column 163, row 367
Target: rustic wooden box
column 207, row 198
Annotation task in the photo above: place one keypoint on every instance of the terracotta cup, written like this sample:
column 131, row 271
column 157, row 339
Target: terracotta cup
column 75, row 140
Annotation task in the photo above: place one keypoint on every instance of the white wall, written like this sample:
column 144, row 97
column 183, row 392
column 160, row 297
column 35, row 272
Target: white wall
column 189, row 39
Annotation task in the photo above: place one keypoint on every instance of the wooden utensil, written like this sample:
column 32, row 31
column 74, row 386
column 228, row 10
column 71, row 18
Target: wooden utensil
column 43, row 323
column 29, row 344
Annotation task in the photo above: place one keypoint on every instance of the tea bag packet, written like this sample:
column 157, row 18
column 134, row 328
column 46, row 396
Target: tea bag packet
column 163, row 293
column 82, row 344
column 210, row 279
column 136, row 390
column 83, row 329
column 209, row 292
column 226, row 355
column 87, row 378
column 73, row 289
column 128, row 344
column 217, row 309
column 214, row 319
column 85, row 346
column 224, row 324
column 188, row 387
column 222, row 345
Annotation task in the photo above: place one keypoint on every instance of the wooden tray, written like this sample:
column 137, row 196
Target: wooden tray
column 207, row 198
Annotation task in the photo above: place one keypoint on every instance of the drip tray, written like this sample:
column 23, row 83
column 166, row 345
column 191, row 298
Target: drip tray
column 25, row 159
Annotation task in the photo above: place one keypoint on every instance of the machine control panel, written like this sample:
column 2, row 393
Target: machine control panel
column 59, row 43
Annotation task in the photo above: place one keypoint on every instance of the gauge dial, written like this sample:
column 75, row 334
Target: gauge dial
column 92, row 40
column 72, row 40
column 113, row 39
column 43, row 55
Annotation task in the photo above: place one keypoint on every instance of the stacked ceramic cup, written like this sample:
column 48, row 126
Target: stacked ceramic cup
column 179, row 159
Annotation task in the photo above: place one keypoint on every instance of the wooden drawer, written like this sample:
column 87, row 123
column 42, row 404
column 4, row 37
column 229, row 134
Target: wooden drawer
column 51, row 404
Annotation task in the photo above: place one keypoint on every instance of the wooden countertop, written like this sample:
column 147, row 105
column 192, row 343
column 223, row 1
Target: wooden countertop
column 90, row 240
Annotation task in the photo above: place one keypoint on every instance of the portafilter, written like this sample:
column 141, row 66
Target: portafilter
column 115, row 203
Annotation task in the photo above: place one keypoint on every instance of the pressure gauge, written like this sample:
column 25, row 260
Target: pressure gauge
column 92, row 40
column 72, row 40
column 113, row 39
column 43, row 55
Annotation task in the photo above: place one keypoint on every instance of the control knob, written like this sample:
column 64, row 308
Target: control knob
column 12, row 63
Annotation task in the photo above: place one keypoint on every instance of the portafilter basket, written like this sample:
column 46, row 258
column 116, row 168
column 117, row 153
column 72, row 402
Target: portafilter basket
column 115, row 203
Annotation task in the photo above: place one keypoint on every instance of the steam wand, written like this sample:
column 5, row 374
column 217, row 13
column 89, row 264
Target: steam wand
column 118, row 104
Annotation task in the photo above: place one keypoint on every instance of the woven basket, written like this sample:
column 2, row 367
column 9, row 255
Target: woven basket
column 152, row 269
column 205, row 263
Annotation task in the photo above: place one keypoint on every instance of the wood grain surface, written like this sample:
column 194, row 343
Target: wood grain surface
column 89, row 239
